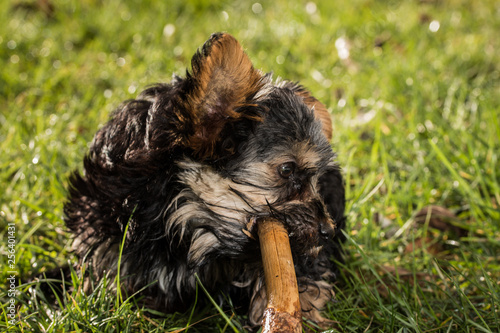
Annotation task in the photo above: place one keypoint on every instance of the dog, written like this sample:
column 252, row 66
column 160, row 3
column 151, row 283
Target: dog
column 182, row 174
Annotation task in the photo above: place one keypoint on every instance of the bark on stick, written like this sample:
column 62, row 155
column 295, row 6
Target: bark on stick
column 283, row 312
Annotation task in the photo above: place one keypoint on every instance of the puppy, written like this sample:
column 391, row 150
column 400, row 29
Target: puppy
column 188, row 168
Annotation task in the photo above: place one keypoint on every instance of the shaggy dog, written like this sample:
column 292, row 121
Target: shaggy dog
column 188, row 168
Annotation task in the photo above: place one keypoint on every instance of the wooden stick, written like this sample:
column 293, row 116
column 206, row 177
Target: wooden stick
column 283, row 312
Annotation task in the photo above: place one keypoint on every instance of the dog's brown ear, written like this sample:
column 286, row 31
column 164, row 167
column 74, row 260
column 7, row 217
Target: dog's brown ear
column 320, row 110
column 222, row 79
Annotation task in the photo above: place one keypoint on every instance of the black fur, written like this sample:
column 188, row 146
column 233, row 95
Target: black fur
column 185, row 210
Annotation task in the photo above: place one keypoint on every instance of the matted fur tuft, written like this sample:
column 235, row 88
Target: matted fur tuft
column 190, row 167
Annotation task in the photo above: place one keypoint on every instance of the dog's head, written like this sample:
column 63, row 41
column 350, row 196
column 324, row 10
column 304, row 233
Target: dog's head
column 254, row 148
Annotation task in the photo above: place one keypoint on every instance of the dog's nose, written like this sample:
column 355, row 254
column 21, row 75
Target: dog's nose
column 327, row 228
column 326, row 223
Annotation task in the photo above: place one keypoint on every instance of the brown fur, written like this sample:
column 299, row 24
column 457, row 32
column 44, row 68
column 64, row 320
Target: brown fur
column 224, row 79
column 321, row 113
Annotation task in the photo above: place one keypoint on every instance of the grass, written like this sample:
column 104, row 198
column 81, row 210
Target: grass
column 415, row 107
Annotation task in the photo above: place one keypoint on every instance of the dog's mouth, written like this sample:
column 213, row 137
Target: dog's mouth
column 308, row 224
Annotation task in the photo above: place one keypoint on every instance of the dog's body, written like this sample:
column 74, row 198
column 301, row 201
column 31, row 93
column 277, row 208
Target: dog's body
column 188, row 168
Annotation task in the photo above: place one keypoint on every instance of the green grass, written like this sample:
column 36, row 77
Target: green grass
column 416, row 123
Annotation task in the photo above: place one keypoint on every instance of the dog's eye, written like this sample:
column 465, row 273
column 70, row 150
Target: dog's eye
column 286, row 169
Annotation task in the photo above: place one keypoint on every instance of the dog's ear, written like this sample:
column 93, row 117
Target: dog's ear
column 222, row 79
column 320, row 110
